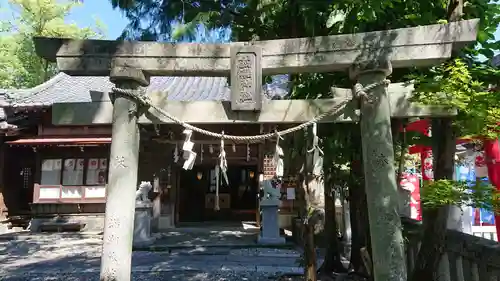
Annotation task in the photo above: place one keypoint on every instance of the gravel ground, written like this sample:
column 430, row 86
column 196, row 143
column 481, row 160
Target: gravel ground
column 204, row 237
column 153, row 276
column 54, row 257
column 181, row 276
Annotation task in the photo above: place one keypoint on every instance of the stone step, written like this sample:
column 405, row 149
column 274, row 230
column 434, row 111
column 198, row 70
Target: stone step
column 171, row 247
column 191, row 268
column 27, row 235
column 254, row 252
column 224, row 260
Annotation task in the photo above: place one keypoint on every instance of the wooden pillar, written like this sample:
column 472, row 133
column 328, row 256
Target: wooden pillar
column 155, row 223
column 378, row 159
column 314, row 200
column 123, row 168
column 260, row 170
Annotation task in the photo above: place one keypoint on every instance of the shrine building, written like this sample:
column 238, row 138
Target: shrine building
column 59, row 173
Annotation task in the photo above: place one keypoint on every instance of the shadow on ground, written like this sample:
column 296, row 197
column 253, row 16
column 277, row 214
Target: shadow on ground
column 196, row 254
column 197, row 237
column 155, row 276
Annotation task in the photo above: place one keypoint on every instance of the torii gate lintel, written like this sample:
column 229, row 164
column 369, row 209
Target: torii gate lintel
column 405, row 47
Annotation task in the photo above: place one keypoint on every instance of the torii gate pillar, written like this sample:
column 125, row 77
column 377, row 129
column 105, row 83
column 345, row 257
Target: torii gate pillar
column 388, row 254
column 116, row 260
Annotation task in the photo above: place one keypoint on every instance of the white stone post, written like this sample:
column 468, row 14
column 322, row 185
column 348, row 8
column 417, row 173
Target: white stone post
column 116, row 260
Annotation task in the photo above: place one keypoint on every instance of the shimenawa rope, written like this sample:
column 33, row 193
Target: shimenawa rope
column 358, row 91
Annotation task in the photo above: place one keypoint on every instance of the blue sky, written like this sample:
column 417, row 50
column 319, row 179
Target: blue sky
column 114, row 21
column 84, row 15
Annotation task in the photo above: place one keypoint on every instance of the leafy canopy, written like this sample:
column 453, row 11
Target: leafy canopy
column 20, row 67
column 460, row 193
column 462, row 83
column 274, row 19
column 456, row 85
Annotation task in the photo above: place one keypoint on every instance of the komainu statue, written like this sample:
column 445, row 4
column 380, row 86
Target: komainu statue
column 271, row 194
column 141, row 195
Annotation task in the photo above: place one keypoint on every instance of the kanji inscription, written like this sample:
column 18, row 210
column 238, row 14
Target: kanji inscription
column 244, row 69
column 246, row 78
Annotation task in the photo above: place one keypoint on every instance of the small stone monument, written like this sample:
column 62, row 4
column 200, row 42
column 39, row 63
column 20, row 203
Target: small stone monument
column 143, row 215
column 269, row 204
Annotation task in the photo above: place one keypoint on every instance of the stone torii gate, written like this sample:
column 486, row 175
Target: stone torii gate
column 369, row 57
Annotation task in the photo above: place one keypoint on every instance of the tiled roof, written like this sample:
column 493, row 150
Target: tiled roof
column 64, row 89
column 3, row 116
column 5, row 127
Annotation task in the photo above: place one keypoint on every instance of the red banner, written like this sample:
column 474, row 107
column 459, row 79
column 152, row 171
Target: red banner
column 492, row 161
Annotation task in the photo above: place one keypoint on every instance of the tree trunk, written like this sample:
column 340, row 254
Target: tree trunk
column 309, row 253
column 402, row 156
column 359, row 208
column 313, row 186
column 333, row 260
column 435, row 220
column 455, row 10
column 310, row 267
column 405, row 195
column 45, row 70
column 306, row 234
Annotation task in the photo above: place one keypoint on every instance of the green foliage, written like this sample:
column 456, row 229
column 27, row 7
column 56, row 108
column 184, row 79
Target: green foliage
column 269, row 19
column 274, row 19
column 20, row 67
column 461, row 83
column 337, row 147
column 452, row 85
column 464, row 82
column 448, row 192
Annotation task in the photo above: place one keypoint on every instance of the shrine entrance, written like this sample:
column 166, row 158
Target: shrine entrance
column 237, row 200
column 373, row 101
column 18, row 192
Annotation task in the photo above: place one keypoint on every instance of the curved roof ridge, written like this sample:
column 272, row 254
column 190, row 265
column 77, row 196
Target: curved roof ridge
column 64, row 88
column 34, row 90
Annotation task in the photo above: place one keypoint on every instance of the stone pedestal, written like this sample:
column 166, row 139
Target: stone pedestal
column 270, row 233
column 142, row 224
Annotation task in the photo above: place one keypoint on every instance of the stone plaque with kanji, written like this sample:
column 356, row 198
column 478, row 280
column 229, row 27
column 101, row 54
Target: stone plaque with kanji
column 246, row 78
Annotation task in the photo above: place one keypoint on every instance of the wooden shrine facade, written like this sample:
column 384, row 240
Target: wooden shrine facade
column 61, row 170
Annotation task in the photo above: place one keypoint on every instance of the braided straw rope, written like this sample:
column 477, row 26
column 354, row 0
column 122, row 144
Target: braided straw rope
column 359, row 91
